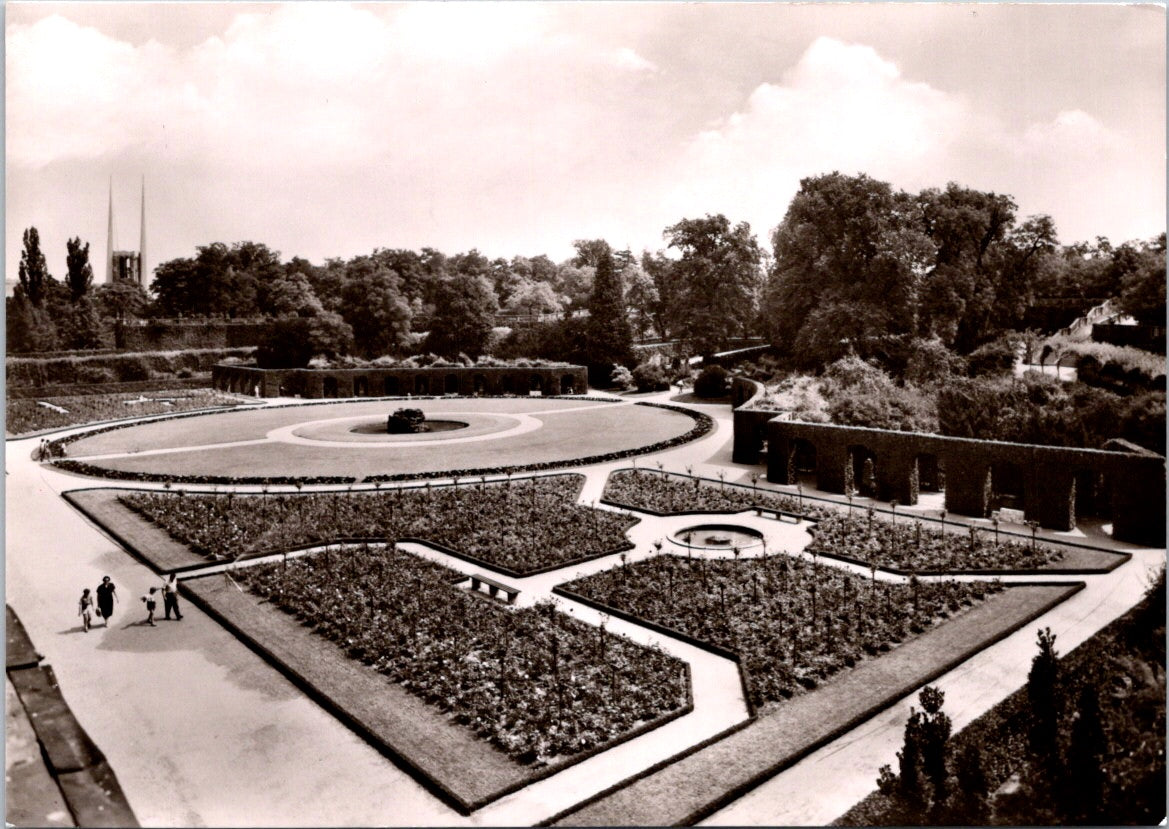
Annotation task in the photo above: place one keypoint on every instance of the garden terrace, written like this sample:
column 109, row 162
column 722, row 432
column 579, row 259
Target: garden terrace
column 904, row 545
column 516, row 527
column 790, row 622
column 534, row 682
column 1052, row 483
column 26, row 416
column 377, row 381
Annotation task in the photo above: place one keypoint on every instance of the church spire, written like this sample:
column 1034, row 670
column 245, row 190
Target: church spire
column 143, row 273
column 110, row 236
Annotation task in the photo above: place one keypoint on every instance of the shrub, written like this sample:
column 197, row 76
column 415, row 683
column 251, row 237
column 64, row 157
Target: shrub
column 713, row 381
column 622, row 378
column 993, row 359
column 651, row 376
column 405, row 421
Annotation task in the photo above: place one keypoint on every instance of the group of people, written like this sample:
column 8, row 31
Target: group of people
column 101, row 601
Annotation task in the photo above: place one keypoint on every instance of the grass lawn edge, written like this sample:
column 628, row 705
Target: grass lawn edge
column 739, row 760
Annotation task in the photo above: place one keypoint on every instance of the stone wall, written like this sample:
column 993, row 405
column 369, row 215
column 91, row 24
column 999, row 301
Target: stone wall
column 375, row 381
column 1042, row 479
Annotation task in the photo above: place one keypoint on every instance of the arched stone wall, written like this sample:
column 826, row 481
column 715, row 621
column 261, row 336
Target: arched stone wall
column 1135, row 482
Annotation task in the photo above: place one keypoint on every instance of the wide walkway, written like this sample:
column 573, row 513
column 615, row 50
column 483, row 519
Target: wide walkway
column 201, row 731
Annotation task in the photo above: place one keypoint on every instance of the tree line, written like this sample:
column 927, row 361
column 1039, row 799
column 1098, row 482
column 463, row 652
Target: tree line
column 855, row 267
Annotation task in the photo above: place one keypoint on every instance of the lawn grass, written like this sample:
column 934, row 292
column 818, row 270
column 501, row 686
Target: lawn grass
column 696, row 784
column 27, row 416
column 147, row 541
column 564, row 436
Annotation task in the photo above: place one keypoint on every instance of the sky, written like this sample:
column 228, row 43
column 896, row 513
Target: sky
column 328, row 130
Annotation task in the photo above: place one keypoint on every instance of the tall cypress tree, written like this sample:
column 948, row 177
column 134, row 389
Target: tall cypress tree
column 80, row 272
column 609, row 335
column 33, row 272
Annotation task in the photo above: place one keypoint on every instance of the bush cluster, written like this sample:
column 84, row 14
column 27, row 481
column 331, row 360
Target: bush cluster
column 112, row 367
column 520, row 526
column 534, row 682
column 666, row 493
column 792, row 623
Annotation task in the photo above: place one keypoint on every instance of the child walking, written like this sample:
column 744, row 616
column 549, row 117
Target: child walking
column 85, row 609
column 150, row 605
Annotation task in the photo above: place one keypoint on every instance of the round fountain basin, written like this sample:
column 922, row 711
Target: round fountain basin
column 378, row 427
column 718, row 537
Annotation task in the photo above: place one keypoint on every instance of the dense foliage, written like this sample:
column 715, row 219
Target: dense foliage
column 536, row 683
column 609, row 335
column 32, row 415
column 520, row 526
column 1040, row 409
column 668, row 493
column 1082, row 743
column 791, row 622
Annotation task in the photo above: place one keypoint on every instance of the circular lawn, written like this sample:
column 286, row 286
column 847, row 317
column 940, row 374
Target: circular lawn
column 318, row 440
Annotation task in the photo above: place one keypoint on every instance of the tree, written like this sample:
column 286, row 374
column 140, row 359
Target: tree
column 79, row 276
column 1085, row 778
column 120, row 299
column 291, row 294
column 1142, row 289
column 464, row 313
column 715, row 283
column 373, row 305
column 609, row 337
column 642, row 299
column 847, row 272
column 27, row 327
column 33, row 272
column 1045, row 704
column 533, row 298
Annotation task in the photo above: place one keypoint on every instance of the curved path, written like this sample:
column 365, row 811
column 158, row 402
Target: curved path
column 203, row 732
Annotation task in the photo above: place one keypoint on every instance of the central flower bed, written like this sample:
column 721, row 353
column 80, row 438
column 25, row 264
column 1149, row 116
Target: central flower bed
column 379, row 428
column 518, row 526
column 534, row 682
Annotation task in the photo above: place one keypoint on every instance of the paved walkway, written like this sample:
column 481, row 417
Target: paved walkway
column 202, row 732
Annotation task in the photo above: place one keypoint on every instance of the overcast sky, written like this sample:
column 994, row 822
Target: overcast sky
column 329, row 130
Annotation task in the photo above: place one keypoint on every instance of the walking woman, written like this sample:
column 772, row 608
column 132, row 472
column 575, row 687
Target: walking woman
column 107, row 594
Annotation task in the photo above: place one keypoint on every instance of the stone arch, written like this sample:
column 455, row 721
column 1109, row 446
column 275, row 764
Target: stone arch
column 421, row 384
column 801, row 459
column 329, row 386
column 392, row 385
column 862, row 463
column 1093, row 493
column 567, row 385
column 361, row 386
column 479, row 384
column 1007, row 486
column 931, row 476
column 505, row 384
column 451, row 384
column 536, row 383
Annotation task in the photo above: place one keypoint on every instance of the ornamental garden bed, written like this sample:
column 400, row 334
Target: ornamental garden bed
column 695, row 783
column 474, row 698
column 901, row 545
column 25, row 417
column 790, row 622
column 516, row 527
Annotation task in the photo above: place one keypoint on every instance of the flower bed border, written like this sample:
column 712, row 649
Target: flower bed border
column 761, row 768
column 450, row 787
column 703, row 425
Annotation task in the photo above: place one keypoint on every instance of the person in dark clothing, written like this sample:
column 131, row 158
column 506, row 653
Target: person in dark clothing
column 107, row 594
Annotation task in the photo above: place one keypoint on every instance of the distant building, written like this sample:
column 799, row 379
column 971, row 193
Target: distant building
column 127, row 265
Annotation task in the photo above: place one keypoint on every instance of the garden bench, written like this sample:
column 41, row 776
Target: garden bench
column 494, row 587
column 780, row 515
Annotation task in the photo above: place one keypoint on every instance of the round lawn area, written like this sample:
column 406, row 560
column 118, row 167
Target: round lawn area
column 318, row 440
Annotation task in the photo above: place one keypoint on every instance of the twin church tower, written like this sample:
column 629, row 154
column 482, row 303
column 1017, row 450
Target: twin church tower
column 127, row 265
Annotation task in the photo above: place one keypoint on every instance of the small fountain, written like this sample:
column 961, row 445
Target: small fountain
column 718, row 537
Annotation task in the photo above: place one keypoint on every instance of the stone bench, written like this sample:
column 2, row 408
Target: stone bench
column 494, row 588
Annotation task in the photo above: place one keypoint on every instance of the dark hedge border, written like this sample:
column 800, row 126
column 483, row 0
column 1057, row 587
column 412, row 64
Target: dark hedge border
column 445, row 789
column 837, row 506
column 767, row 770
column 703, row 425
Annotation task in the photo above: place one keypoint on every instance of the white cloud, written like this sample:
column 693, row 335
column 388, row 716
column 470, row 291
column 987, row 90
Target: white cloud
column 1070, row 132
column 626, row 58
column 841, row 107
